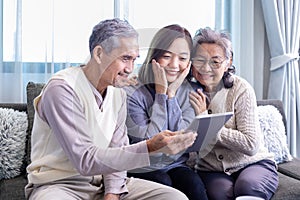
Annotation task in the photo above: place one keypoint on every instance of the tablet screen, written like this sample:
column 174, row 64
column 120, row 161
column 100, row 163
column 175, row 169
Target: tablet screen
column 207, row 127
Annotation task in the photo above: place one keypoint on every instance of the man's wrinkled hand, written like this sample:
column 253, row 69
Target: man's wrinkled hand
column 169, row 142
column 110, row 196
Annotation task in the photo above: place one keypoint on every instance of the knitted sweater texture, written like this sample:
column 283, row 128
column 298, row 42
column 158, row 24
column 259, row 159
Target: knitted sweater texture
column 240, row 141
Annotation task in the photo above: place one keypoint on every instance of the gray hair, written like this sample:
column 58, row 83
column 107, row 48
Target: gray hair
column 107, row 33
column 207, row 35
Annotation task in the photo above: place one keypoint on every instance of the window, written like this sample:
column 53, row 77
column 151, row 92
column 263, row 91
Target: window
column 39, row 38
column 149, row 16
column 51, row 30
column 42, row 37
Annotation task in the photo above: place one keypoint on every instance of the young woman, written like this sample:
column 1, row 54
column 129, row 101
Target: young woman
column 160, row 102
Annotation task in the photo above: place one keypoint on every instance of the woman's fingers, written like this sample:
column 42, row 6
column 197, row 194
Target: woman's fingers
column 160, row 79
column 197, row 97
column 198, row 102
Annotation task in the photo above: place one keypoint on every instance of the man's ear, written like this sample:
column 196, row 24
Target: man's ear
column 97, row 53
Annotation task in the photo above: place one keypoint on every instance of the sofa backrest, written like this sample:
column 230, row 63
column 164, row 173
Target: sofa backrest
column 33, row 90
column 16, row 106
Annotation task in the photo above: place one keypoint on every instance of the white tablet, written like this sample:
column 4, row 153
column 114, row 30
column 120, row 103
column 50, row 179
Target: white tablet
column 207, row 127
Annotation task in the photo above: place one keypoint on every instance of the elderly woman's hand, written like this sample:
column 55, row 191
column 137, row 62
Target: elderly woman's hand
column 198, row 101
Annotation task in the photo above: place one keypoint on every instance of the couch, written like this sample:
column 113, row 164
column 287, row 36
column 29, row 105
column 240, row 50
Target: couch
column 13, row 189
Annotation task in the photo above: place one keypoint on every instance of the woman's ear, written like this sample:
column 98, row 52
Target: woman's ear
column 97, row 53
column 229, row 64
column 230, row 61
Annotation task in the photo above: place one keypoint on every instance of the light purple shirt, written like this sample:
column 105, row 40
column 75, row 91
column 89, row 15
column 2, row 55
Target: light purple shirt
column 57, row 107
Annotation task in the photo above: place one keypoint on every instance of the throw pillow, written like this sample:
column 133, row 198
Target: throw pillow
column 274, row 132
column 13, row 126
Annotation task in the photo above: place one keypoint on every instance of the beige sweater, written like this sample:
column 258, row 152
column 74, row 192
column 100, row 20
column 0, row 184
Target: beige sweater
column 240, row 141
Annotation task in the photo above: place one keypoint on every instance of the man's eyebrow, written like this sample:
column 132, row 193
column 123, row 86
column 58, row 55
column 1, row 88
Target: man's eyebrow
column 128, row 57
column 218, row 57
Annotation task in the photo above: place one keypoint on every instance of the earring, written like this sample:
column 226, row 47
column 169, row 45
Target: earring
column 228, row 77
column 191, row 77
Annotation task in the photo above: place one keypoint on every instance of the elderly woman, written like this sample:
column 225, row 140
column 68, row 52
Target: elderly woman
column 238, row 163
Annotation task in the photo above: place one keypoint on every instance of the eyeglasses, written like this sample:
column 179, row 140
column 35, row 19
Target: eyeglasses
column 214, row 63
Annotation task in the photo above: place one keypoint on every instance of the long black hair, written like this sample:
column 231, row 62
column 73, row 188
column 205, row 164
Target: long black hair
column 159, row 46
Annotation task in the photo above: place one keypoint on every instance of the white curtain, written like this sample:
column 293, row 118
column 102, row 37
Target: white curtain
column 282, row 20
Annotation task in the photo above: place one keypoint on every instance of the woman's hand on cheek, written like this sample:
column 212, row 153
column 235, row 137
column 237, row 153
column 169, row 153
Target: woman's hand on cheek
column 173, row 87
column 161, row 83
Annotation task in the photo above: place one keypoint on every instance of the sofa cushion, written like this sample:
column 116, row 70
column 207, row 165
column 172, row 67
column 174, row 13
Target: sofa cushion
column 13, row 127
column 13, row 189
column 273, row 129
column 291, row 169
column 33, row 90
column 288, row 188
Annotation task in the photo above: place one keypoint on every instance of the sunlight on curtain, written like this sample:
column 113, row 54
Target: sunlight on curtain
column 42, row 37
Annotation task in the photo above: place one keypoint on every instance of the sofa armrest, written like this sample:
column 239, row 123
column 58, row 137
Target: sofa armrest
column 290, row 168
column 16, row 106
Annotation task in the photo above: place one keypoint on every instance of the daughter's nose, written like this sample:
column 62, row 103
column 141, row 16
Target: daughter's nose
column 174, row 63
